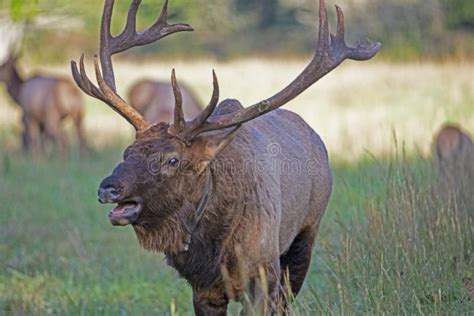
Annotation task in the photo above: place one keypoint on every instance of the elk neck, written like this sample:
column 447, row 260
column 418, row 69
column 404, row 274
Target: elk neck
column 14, row 85
column 200, row 208
column 195, row 262
column 212, row 225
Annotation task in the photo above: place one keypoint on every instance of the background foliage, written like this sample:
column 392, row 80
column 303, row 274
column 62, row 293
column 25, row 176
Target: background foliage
column 225, row 29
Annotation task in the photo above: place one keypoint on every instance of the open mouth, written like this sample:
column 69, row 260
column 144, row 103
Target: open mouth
column 125, row 213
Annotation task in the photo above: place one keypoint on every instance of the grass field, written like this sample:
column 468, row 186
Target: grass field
column 394, row 239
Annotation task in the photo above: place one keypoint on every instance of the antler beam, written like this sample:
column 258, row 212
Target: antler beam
column 331, row 50
column 110, row 45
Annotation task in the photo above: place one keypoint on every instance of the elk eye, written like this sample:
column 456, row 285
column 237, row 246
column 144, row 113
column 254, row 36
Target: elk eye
column 173, row 162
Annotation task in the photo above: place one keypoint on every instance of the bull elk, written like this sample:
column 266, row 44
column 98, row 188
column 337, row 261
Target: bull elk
column 234, row 196
column 154, row 100
column 45, row 101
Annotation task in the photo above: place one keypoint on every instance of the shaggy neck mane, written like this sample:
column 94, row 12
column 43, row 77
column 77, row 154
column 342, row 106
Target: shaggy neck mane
column 169, row 226
column 170, row 236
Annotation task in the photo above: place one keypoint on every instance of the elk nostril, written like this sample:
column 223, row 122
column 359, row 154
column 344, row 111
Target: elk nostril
column 114, row 190
column 109, row 194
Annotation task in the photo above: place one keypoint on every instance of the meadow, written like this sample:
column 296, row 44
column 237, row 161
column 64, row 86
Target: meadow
column 394, row 240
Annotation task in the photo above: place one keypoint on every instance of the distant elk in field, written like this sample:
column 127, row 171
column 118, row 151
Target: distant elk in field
column 214, row 193
column 454, row 147
column 45, row 102
column 155, row 101
column 454, row 156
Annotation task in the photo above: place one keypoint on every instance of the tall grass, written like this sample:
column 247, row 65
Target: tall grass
column 409, row 253
column 394, row 240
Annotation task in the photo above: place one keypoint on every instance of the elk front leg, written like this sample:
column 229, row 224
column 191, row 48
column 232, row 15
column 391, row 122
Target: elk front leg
column 264, row 290
column 53, row 130
column 78, row 123
column 205, row 305
column 31, row 136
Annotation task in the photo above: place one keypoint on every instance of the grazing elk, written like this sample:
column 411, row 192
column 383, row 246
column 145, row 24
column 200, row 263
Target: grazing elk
column 452, row 144
column 455, row 161
column 45, row 101
column 215, row 194
column 154, row 100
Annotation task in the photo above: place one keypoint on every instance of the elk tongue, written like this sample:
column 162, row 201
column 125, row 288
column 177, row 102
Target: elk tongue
column 123, row 207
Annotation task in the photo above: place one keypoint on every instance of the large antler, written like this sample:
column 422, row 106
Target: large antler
column 331, row 50
column 110, row 45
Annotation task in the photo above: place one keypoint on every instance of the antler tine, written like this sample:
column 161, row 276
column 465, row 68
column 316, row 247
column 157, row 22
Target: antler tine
column 179, row 122
column 199, row 120
column 81, row 79
column 129, row 37
column 89, row 85
column 106, row 43
column 117, row 103
column 110, row 45
column 339, row 47
column 163, row 18
column 323, row 33
column 340, row 24
column 328, row 55
column 78, row 79
column 130, row 28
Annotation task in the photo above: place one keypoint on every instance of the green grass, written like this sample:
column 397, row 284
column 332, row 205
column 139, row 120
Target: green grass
column 59, row 253
column 393, row 239
column 409, row 250
column 391, row 242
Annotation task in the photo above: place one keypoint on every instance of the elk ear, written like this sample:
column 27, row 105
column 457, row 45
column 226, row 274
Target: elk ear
column 207, row 147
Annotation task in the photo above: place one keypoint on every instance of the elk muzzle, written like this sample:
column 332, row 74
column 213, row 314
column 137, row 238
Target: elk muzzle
column 128, row 208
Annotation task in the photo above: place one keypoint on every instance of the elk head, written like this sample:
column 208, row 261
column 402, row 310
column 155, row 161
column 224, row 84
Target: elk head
column 164, row 174
column 7, row 67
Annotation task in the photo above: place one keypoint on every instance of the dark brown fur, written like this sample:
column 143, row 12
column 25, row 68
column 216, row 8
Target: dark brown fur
column 46, row 101
column 155, row 101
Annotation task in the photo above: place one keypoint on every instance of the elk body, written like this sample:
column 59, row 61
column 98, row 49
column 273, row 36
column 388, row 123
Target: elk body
column 155, row 101
column 45, row 101
column 233, row 197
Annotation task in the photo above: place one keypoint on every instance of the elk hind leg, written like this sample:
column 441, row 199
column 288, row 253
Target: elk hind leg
column 78, row 124
column 295, row 264
column 53, row 130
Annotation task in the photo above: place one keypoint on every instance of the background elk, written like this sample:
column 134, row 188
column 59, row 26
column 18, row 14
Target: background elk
column 209, row 193
column 45, row 101
column 455, row 160
column 453, row 144
column 154, row 100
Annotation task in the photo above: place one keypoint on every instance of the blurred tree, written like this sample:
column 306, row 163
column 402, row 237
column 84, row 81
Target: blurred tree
column 21, row 10
column 268, row 9
column 231, row 28
column 461, row 14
